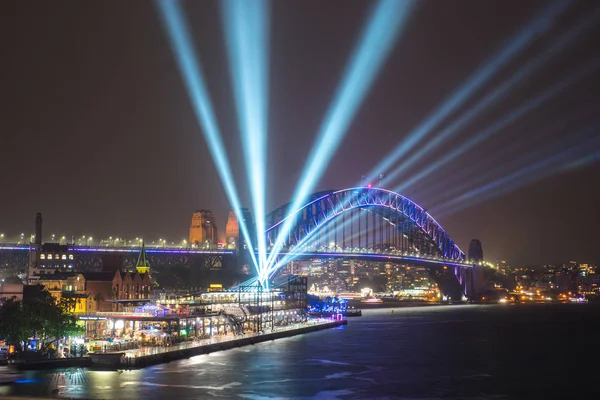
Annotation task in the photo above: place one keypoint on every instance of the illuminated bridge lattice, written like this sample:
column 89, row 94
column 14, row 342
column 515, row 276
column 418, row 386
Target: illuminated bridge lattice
column 368, row 219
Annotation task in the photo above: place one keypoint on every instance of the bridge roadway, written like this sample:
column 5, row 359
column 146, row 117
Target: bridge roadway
column 127, row 249
column 460, row 272
column 87, row 258
column 157, row 252
column 379, row 257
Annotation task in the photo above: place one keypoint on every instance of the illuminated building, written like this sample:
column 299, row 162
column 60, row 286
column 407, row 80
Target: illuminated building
column 49, row 258
column 67, row 285
column 143, row 266
column 232, row 231
column 203, row 229
column 8, row 290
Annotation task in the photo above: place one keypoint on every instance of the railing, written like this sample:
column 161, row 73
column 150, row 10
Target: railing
column 125, row 249
column 113, row 314
column 327, row 252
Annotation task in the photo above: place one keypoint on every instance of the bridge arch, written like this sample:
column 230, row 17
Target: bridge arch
column 408, row 219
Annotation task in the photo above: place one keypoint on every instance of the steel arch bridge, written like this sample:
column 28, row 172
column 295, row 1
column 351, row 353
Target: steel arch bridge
column 355, row 222
column 396, row 221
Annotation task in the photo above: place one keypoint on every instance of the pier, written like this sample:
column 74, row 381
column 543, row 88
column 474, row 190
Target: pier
column 146, row 356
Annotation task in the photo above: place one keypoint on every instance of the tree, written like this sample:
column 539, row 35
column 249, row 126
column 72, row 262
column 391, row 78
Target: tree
column 12, row 327
column 38, row 316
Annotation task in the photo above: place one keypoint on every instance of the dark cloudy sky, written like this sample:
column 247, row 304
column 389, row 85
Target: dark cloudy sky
column 98, row 134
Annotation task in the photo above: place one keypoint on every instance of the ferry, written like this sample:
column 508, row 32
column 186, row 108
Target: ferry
column 353, row 312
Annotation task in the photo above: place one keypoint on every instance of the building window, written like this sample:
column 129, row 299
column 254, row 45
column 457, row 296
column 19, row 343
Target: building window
column 42, row 256
column 64, row 257
column 70, row 256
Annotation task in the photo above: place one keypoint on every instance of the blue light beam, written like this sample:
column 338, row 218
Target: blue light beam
column 246, row 26
column 460, row 180
column 379, row 36
column 525, row 176
column 178, row 33
column 539, row 25
column 306, row 241
column 492, row 98
column 511, row 118
column 309, row 240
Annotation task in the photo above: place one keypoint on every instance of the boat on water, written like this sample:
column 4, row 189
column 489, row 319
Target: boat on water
column 353, row 313
column 347, row 313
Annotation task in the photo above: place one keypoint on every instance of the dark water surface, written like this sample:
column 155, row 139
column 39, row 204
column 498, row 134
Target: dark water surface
column 466, row 351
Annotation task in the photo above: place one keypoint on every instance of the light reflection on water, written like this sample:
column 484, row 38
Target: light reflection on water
column 433, row 352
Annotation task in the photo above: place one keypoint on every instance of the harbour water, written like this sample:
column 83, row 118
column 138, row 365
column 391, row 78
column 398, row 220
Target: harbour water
column 458, row 352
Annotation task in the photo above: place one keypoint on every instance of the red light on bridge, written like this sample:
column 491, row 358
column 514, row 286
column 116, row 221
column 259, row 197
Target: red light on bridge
column 369, row 185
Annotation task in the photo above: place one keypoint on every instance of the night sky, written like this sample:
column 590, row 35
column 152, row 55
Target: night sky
column 98, row 134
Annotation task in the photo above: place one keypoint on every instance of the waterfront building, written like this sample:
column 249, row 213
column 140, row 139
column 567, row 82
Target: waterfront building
column 173, row 317
column 8, row 290
column 232, row 231
column 96, row 291
column 203, row 229
column 68, row 285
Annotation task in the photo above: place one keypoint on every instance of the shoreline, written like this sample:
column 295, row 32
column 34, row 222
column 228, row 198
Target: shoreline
column 144, row 357
column 394, row 304
column 178, row 354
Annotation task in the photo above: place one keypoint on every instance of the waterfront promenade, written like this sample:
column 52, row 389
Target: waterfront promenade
column 154, row 350
column 145, row 356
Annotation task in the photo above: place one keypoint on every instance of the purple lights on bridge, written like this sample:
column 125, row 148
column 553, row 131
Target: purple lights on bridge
column 379, row 257
column 167, row 250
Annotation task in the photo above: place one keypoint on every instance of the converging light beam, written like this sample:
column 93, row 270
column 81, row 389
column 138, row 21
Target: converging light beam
column 496, row 127
column 246, row 26
column 538, row 26
column 462, row 180
column 381, row 32
column 178, row 33
column 492, row 98
column 527, row 175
